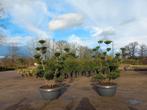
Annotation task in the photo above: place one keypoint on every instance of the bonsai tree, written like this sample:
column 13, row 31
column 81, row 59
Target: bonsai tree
column 107, row 68
column 50, row 69
column 59, row 67
column 40, row 58
column 70, row 64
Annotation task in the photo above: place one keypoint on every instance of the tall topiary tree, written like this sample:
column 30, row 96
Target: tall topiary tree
column 107, row 70
column 40, row 57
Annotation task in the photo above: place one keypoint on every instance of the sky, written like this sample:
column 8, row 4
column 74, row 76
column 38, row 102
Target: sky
column 83, row 22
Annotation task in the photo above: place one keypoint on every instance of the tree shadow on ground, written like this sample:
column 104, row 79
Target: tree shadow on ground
column 132, row 108
column 21, row 105
column 85, row 105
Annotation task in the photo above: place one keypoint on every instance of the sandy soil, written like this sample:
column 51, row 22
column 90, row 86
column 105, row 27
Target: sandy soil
column 17, row 93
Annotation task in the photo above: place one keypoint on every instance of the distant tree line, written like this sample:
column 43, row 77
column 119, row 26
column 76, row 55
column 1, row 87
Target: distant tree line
column 134, row 53
column 134, row 49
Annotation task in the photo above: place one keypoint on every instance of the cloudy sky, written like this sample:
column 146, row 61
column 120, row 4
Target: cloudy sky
column 78, row 21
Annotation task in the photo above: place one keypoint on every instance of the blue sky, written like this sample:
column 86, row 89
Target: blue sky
column 77, row 21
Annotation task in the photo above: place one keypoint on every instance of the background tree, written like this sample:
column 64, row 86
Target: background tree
column 123, row 52
column 84, row 51
column 132, row 49
column 142, row 50
column 61, row 45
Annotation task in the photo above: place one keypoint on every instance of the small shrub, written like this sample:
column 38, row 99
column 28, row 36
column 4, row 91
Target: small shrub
column 27, row 72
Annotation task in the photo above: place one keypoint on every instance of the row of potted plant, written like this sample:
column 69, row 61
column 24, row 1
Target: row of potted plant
column 61, row 65
column 5, row 68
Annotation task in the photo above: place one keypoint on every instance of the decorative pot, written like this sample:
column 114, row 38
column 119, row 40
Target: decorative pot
column 51, row 94
column 106, row 90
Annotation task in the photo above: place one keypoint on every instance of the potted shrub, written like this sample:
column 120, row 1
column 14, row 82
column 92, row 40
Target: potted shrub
column 70, row 64
column 51, row 69
column 107, row 70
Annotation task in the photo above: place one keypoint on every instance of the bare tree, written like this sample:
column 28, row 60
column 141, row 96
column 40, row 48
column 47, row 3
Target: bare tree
column 61, row 45
column 31, row 47
column 123, row 52
column 14, row 50
column 132, row 49
column 143, row 50
column 84, row 52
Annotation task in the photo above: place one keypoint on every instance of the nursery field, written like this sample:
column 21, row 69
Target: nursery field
column 18, row 93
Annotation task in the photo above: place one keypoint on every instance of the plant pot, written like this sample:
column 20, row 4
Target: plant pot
column 51, row 93
column 106, row 90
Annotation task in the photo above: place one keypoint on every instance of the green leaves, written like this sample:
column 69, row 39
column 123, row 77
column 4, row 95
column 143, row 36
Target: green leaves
column 67, row 50
column 41, row 41
column 57, row 54
column 117, row 54
column 104, row 53
column 107, row 69
column 37, row 56
column 37, row 48
column 113, row 75
column 97, row 47
column 43, row 48
column 66, row 62
column 40, row 58
column 94, row 49
column 107, row 42
column 108, row 49
column 72, row 55
column 100, row 41
column 122, row 49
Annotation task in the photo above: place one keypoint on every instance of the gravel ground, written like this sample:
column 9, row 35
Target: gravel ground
column 18, row 93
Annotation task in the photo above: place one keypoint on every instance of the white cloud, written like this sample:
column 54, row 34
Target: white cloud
column 100, row 11
column 112, row 11
column 21, row 40
column 65, row 21
column 122, row 41
column 2, row 35
column 2, row 57
column 18, row 40
column 122, row 22
column 28, row 14
column 74, row 39
column 108, row 31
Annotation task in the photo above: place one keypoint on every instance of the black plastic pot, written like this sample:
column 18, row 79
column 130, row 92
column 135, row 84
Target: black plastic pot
column 109, row 90
column 51, row 94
